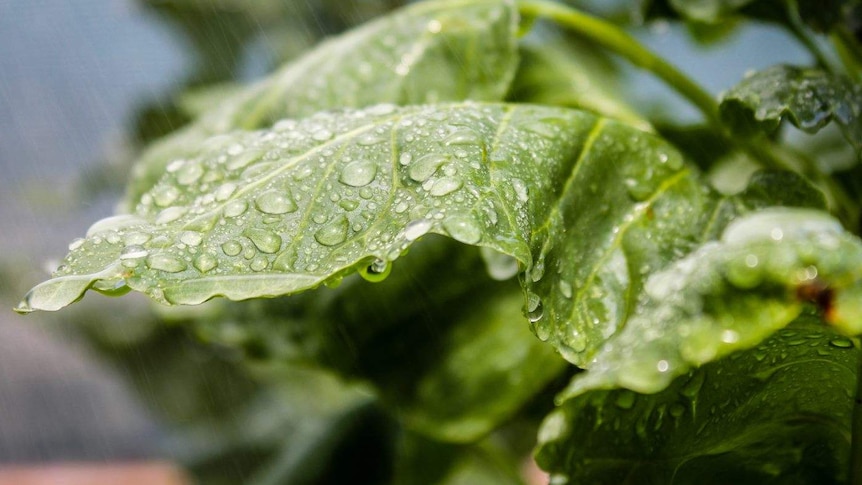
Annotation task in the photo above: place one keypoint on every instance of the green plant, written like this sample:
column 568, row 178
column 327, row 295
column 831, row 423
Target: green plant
column 713, row 326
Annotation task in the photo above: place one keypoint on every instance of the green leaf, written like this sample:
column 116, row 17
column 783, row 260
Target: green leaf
column 730, row 295
column 425, row 53
column 282, row 211
column 453, row 359
column 809, row 98
column 778, row 413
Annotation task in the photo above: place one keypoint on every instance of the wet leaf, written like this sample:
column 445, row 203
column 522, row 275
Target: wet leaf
column 777, row 413
column 731, row 294
column 283, row 210
column 425, row 53
column 809, row 98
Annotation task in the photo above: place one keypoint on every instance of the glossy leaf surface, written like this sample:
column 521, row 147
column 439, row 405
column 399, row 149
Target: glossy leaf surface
column 808, row 98
column 731, row 294
column 778, row 413
column 426, row 53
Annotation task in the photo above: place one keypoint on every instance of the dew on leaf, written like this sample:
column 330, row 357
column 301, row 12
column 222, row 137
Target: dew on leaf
column 205, row 262
column 235, row 208
column 333, row 233
column 416, row 229
column 191, row 238
column 259, row 263
column 166, row 263
column 231, row 248
column 423, row 168
column 189, row 174
column 358, row 174
column 170, row 214
column 377, row 271
column 445, row 186
column 464, row 136
column 463, row 228
column 165, row 195
column 275, row 202
column 266, row 241
column 133, row 252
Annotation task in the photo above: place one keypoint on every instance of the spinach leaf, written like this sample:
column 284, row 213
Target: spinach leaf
column 809, row 98
column 777, row 413
column 426, row 53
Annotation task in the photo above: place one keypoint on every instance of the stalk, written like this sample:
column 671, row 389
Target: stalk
column 617, row 40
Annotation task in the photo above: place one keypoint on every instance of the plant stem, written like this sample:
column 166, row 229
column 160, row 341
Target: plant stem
column 620, row 42
column 855, row 477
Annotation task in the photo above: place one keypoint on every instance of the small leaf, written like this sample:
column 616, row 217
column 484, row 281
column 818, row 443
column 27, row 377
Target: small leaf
column 777, row 413
column 425, row 53
column 730, row 295
column 809, row 98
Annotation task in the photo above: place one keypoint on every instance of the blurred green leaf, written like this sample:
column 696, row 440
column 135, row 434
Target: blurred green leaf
column 775, row 414
column 428, row 52
column 809, row 98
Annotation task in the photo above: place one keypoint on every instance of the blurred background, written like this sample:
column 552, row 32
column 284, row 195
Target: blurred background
column 84, row 85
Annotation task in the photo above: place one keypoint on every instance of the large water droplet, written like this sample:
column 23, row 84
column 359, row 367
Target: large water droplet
column 166, row 263
column 416, row 229
column 231, row 248
column 445, row 185
column 500, row 266
column 464, row 136
column 423, row 168
column 463, row 228
column 376, row 271
column 189, row 173
column 275, row 202
column 259, row 263
column 165, row 195
column 170, row 214
column 191, row 238
column 133, row 252
column 235, row 208
column 358, row 174
column 266, row 241
column 205, row 262
column 321, row 134
column 333, row 233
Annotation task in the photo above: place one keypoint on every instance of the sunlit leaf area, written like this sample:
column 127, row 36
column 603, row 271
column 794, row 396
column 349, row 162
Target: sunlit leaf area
column 434, row 242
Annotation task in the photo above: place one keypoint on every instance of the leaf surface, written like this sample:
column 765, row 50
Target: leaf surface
column 429, row 52
column 731, row 294
column 586, row 206
column 777, row 413
column 809, row 98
